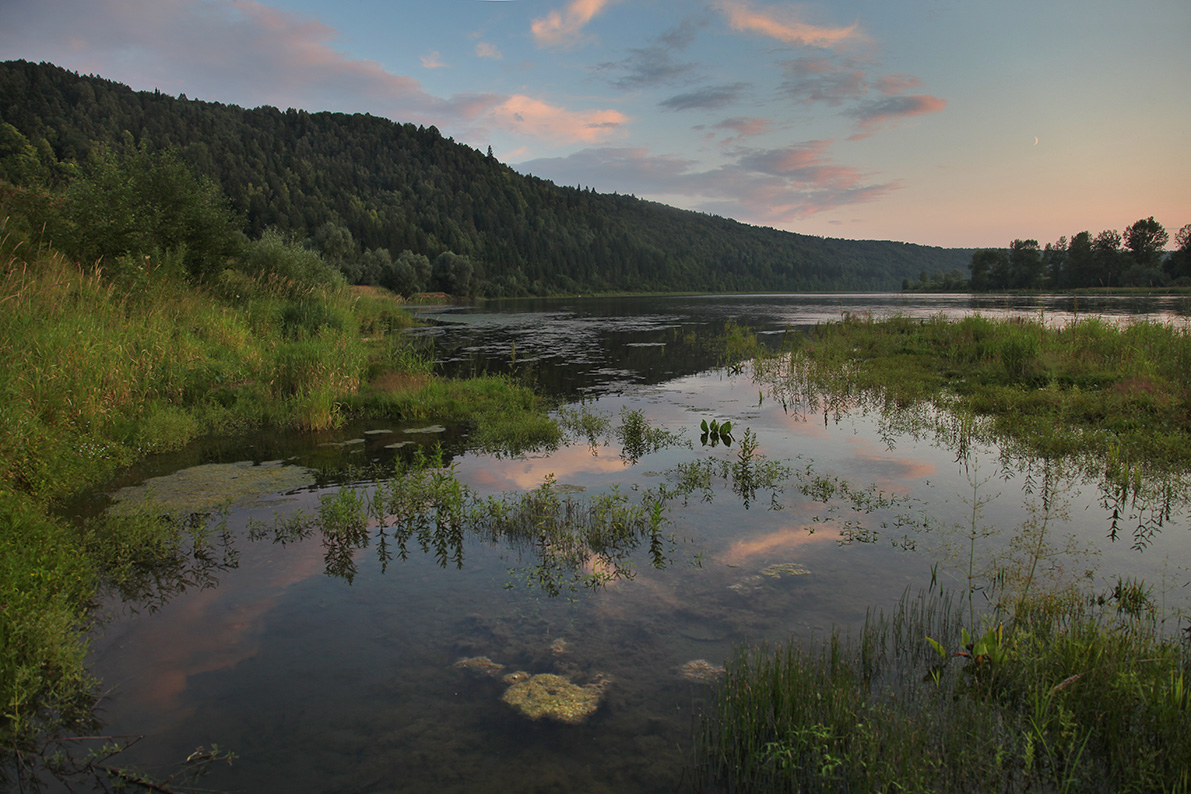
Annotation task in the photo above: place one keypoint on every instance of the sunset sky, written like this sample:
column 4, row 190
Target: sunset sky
column 944, row 122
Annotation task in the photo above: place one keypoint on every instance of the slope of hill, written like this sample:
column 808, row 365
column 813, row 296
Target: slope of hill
column 363, row 189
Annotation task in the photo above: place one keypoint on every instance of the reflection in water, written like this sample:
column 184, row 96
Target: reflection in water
column 349, row 682
column 571, row 541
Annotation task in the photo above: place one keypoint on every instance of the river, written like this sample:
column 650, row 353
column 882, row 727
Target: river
column 324, row 682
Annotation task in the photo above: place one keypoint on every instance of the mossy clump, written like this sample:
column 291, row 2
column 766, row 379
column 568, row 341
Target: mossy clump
column 205, row 488
column 554, row 697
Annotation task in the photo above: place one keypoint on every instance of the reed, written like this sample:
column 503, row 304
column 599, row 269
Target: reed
column 1068, row 698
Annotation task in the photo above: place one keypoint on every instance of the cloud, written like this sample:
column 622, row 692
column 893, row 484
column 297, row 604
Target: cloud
column 486, row 50
column 655, row 64
column 767, row 187
column 897, row 83
column 528, row 116
column 713, row 96
column 744, row 126
column 782, row 25
column 233, row 51
column 243, row 52
column 565, row 28
column 646, row 67
column 874, row 114
column 432, row 61
column 822, row 80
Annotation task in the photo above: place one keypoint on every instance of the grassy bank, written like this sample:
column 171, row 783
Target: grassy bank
column 1069, row 696
column 104, row 366
column 1088, row 387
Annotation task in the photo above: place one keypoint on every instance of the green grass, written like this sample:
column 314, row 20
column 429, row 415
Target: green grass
column 1088, row 388
column 1070, row 696
column 103, row 366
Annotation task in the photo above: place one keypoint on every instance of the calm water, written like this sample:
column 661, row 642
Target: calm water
column 321, row 685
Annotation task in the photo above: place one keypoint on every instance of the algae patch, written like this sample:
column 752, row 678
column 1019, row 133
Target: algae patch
column 205, row 488
column 701, row 671
column 554, row 697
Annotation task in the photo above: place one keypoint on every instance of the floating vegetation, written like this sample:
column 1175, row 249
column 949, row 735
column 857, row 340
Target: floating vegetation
column 714, row 433
column 204, row 489
column 554, row 697
column 701, row 671
column 784, row 569
column 480, row 665
column 428, row 429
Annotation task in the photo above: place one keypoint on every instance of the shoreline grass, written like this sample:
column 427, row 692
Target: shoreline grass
column 1070, row 695
column 105, row 366
column 1085, row 388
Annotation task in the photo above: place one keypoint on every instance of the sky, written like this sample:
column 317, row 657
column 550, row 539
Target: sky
column 958, row 123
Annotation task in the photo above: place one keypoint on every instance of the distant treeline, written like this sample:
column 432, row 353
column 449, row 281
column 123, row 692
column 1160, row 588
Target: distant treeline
column 1136, row 257
column 401, row 206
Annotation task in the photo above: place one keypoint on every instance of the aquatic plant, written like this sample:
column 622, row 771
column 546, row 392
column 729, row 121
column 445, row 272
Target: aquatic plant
column 714, row 433
column 1062, row 700
column 1088, row 390
column 554, row 697
column 638, row 438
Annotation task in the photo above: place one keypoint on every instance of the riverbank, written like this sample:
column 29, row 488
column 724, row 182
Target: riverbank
column 107, row 367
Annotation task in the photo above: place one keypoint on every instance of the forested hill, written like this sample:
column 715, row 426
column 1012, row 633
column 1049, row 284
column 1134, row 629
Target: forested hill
column 363, row 189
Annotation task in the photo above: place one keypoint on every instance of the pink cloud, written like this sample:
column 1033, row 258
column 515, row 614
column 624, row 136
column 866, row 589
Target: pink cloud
column 782, row 25
column 877, row 113
column 768, row 187
column 486, row 50
column 432, row 61
column 244, row 52
column 562, row 29
column 528, row 116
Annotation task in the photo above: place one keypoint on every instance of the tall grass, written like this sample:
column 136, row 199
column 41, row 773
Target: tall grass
column 1067, row 698
column 101, row 365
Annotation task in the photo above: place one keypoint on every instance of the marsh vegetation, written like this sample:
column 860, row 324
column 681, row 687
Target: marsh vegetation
column 459, row 519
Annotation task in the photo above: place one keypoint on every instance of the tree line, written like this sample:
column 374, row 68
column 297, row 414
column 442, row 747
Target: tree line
column 1136, row 257
column 401, row 206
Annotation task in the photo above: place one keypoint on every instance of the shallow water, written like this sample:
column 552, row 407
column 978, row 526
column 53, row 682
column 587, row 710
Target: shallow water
column 322, row 685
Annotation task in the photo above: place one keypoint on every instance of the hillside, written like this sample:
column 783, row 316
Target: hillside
column 363, row 189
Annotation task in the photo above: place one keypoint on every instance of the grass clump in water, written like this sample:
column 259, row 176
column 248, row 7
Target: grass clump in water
column 1084, row 388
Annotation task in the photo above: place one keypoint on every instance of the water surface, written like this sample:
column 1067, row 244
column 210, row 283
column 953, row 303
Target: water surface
column 319, row 684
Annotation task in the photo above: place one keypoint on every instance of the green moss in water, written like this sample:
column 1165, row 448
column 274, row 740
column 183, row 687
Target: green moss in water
column 554, row 697
column 201, row 489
